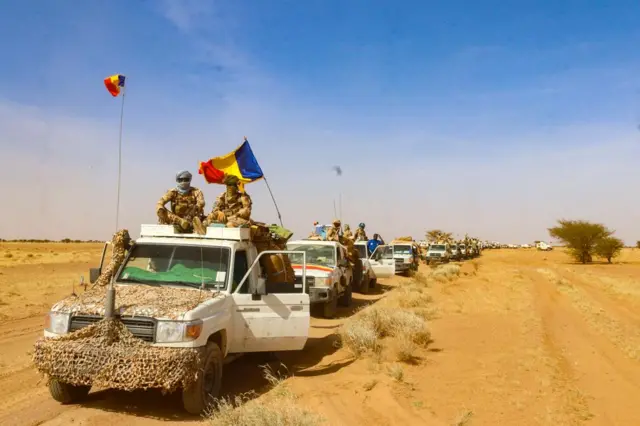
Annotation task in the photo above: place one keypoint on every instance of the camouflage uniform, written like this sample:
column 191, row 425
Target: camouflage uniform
column 347, row 233
column 120, row 244
column 361, row 235
column 333, row 233
column 232, row 207
column 184, row 207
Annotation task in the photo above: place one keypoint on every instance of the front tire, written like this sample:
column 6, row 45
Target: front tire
column 330, row 308
column 199, row 395
column 65, row 393
column 347, row 296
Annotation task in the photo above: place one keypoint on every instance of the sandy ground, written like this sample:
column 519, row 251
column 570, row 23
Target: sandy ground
column 522, row 337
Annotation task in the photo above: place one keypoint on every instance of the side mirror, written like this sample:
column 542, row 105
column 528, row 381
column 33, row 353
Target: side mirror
column 94, row 274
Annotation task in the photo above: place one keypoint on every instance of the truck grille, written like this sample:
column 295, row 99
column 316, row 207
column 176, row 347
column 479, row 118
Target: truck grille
column 434, row 254
column 141, row 327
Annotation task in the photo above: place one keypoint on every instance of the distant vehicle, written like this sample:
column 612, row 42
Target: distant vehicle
column 329, row 274
column 456, row 253
column 438, row 253
column 541, row 245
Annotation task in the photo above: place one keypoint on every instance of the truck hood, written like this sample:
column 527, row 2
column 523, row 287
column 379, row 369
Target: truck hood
column 138, row 300
column 313, row 270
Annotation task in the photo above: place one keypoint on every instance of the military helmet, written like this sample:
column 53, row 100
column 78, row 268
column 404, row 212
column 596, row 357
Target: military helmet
column 336, row 221
column 231, row 180
column 361, row 225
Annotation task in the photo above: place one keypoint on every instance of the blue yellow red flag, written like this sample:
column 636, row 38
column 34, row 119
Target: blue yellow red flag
column 114, row 83
column 240, row 163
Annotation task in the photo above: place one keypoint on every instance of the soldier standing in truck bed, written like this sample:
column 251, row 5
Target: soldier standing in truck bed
column 187, row 206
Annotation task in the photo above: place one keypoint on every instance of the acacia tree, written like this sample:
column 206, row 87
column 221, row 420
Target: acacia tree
column 580, row 237
column 638, row 244
column 609, row 247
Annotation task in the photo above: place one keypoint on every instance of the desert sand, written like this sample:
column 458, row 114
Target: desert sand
column 520, row 337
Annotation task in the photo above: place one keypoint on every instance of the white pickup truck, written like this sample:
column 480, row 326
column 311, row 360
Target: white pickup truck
column 438, row 253
column 406, row 256
column 234, row 310
column 381, row 261
column 329, row 273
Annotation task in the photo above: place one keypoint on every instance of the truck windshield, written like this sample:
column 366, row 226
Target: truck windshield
column 437, row 247
column 189, row 266
column 323, row 255
column 401, row 250
column 362, row 251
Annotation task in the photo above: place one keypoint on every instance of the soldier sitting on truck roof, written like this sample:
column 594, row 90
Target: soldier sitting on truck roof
column 333, row 233
column 187, row 205
column 347, row 232
column 233, row 208
column 360, row 234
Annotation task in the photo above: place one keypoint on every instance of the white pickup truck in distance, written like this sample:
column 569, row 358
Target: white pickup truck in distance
column 369, row 277
column 406, row 256
column 329, row 274
column 438, row 253
column 227, row 306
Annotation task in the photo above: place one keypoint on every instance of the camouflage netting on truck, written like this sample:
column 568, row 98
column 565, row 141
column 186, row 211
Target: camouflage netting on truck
column 107, row 355
column 137, row 300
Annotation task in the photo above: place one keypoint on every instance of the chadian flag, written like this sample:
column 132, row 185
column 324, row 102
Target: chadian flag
column 240, row 163
column 114, row 83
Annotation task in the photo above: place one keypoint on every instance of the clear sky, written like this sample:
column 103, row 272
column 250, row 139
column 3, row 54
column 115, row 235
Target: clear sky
column 490, row 117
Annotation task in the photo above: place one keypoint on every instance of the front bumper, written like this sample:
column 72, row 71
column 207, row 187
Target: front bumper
column 321, row 294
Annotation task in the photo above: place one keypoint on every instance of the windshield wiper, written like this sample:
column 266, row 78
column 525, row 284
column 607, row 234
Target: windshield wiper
column 138, row 281
column 188, row 284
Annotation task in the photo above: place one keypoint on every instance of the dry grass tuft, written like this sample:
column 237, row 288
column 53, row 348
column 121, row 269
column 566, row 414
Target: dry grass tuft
column 396, row 372
column 8, row 255
column 405, row 350
column 370, row 385
column 463, row 419
column 447, row 271
column 359, row 336
column 364, row 333
column 278, row 408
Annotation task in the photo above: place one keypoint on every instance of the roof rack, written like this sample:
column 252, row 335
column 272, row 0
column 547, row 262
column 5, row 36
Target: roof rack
column 213, row 233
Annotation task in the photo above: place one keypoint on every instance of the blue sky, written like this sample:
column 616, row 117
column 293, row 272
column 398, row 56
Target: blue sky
column 489, row 117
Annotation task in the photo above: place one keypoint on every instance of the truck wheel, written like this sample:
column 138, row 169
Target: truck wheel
column 366, row 285
column 197, row 397
column 347, row 296
column 330, row 308
column 358, row 277
column 65, row 393
column 373, row 284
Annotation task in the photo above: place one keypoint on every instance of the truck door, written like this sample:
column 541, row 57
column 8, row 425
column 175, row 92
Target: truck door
column 268, row 317
column 382, row 261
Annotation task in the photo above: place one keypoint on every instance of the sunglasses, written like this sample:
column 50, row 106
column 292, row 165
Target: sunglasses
column 184, row 180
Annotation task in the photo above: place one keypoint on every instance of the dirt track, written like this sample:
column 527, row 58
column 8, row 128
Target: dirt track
column 528, row 338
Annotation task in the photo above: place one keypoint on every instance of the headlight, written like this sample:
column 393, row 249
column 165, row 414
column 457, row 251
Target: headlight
column 311, row 280
column 178, row 331
column 57, row 323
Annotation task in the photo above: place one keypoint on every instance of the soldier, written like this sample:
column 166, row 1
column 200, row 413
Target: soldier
column 361, row 235
column 333, row 233
column 347, row 232
column 187, row 205
column 232, row 207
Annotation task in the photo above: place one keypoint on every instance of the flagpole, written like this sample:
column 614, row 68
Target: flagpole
column 274, row 200
column 124, row 91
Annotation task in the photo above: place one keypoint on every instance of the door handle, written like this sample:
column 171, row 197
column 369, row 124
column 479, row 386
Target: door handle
column 248, row 310
column 296, row 308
